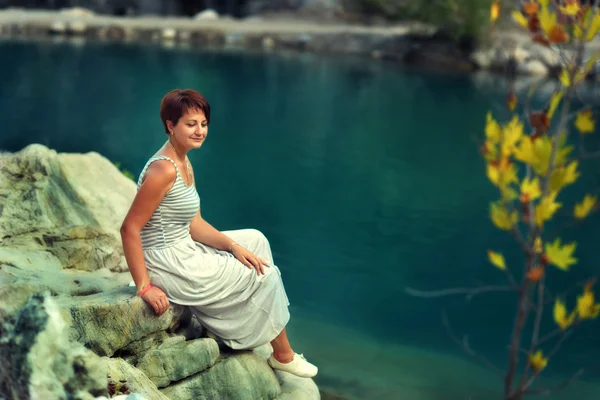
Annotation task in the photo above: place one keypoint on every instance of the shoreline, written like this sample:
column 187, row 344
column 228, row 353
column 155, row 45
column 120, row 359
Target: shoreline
column 408, row 43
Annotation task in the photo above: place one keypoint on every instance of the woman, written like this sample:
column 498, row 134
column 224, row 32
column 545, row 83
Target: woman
column 228, row 279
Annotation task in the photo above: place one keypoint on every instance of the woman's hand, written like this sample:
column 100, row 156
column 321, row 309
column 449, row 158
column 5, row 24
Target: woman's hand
column 249, row 259
column 157, row 299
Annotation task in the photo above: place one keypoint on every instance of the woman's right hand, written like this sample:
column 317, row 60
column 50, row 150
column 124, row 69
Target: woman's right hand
column 157, row 299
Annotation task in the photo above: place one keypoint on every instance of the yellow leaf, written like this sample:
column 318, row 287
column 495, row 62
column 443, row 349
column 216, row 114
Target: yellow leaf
column 545, row 209
column 594, row 27
column 584, row 122
column 524, row 152
column 564, row 78
column 513, row 132
column 508, row 193
column 571, row 8
column 578, row 28
column 530, row 189
column 554, row 101
column 537, row 361
column 497, row 259
column 494, row 11
column 563, row 176
column 590, row 63
column 537, row 153
column 519, row 18
column 547, row 20
column 584, row 208
column 561, row 256
column 586, row 304
column 492, row 129
column 502, row 218
column 502, row 174
column 560, row 315
column 543, row 3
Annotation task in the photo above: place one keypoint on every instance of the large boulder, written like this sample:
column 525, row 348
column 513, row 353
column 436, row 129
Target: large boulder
column 123, row 373
column 176, row 359
column 240, row 376
column 292, row 386
column 68, row 205
column 39, row 361
column 109, row 321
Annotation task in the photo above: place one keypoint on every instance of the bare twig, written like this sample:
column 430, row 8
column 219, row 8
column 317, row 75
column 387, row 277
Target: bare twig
column 564, row 293
column 469, row 292
column 464, row 344
column 560, row 386
column 520, row 319
column 536, row 331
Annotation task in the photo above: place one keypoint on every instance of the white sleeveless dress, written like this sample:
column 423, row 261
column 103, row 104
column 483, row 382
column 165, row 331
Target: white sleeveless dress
column 242, row 308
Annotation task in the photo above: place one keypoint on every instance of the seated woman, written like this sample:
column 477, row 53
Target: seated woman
column 228, row 279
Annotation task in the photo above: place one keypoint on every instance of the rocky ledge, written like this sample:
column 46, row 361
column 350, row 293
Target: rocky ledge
column 70, row 324
column 410, row 43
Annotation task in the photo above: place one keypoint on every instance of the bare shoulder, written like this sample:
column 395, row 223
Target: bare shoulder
column 160, row 173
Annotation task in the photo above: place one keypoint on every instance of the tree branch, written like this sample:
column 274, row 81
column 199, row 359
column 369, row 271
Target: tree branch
column 464, row 344
column 554, row 389
column 469, row 292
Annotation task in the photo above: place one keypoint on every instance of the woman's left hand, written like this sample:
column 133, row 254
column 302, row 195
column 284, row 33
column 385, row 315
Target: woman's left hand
column 249, row 259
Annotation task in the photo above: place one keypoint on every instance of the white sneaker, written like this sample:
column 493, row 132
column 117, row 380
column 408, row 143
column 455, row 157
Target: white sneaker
column 298, row 366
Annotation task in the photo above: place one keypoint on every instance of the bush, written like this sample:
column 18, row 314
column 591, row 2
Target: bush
column 458, row 18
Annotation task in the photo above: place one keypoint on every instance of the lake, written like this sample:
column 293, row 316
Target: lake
column 366, row 177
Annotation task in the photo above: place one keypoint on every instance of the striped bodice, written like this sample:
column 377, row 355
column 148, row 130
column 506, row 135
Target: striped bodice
column 170, row 222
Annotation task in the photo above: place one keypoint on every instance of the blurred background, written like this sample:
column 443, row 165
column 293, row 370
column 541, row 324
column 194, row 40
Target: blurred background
column 363, row 172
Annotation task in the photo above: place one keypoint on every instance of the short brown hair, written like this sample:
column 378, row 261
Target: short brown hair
column 178, row 101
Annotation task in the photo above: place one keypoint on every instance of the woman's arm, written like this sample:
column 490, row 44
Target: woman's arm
column 203, row 232
column 159, row 178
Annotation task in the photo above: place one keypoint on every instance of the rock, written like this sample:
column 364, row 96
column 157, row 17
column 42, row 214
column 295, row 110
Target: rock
column 119, row 370
column 58, row 27
column 131, row 396
column 520, row 55
column 185, row 36
column 35, row 271
column 169, row 34
column 296, row 388
column 38, row 360
column 268, row 43
column 77, row 12
column 103, row 190
column 243, row 375
column 533, row 67
column 48, row 204
column 292, row 386
column 544, row 54
column 109, row 321
column 175, row 361
column 189, row 326
column 77, row 27
column 207, row 15
column 13, row 297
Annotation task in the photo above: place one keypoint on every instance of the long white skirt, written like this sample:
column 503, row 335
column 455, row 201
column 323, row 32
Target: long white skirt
column 244, row 309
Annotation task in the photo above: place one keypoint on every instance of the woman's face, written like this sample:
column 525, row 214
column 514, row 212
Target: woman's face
column 191, row 129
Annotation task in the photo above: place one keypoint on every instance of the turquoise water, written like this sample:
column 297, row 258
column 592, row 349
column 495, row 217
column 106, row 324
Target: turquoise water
column 365, row 177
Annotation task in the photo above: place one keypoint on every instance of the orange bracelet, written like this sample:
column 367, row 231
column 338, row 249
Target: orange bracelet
column 143, row 292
